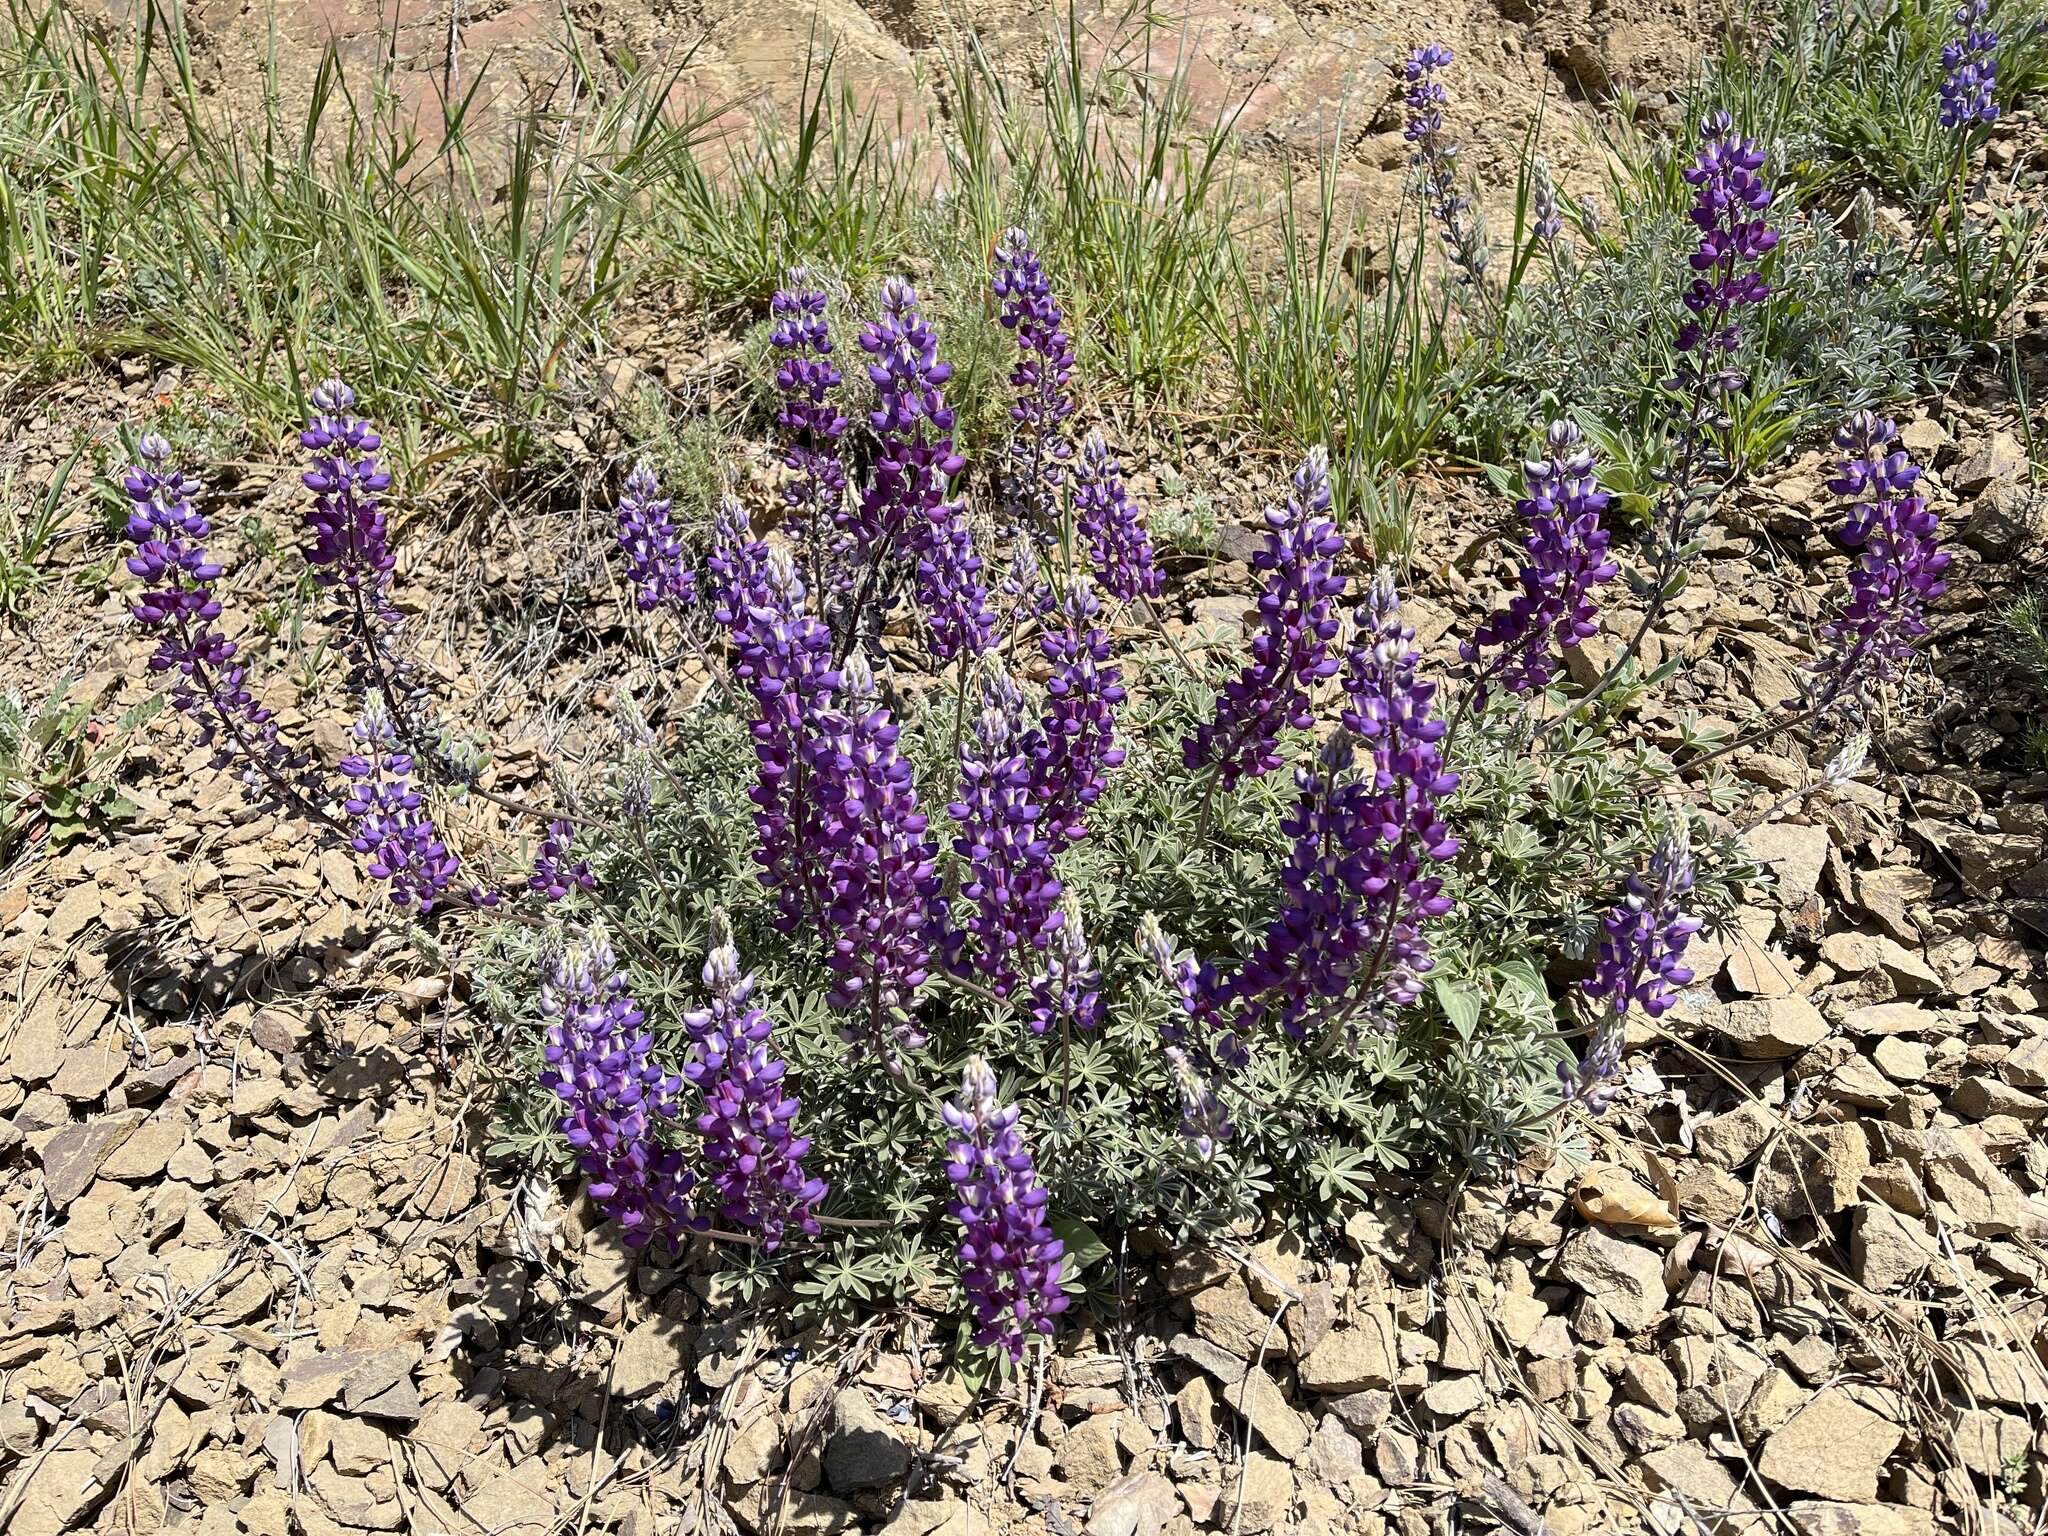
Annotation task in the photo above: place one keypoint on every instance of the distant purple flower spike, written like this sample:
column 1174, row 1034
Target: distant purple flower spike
column 748, row 1123
column 1970, row 81
column 1067, row 992
column 555, row 872
column 1006, row 846
column 1109, row 521
column 1730, row 199
column 1291, row 651
column 1045, row 363
column 656, row 563
column 1076, row 745
column 1897, row 574
column 1566, row 558
column 951, row 589
column 389, row 821
column 1201, row 1029
column 1010, row 1261
column 350, row 545
column 600, row 1065
column 1203, row 1119
column 1545, row 223
column 737, row 563
column 811, row 424
column 1437, row 157
column 1646, row 935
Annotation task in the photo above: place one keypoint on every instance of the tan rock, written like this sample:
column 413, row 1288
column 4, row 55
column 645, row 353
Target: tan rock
column 1833, row 1448
column 1140, row 1504
column 1625, row 1278
column 1086, row 1455
column 1814, row 1517
column 1860, row 954
column 1258, row 1501
column 1887, row 1252
column 1767, row 1029
column 1354, row 1359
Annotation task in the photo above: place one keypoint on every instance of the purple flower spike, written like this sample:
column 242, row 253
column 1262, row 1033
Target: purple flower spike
column 350, row 546
column 1437, row 158
column 1075, row 749
column 1291, row 652
column 555, row 872
column 656, row 563
column 1566, row 558
column 1002, row 838
column 600, row 1064
column 1730, row 197
column 1360, row 880
column 1068, row 991
column 1971, row 80
column 180, row 607
column 748, row 1123
column 390, row 824
column 1898, row 572
column 811, row 425
column 1203, row 1119
column 1638, row 967
column 1010, row 1262
column 1045, row 363
column 878, row 874
column 1109, row 521
column 1201, row 1029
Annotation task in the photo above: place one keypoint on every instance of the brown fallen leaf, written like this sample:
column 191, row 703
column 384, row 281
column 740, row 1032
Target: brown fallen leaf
column 1612, row 1196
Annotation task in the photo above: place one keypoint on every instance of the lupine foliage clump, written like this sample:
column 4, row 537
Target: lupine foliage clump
column 1051, row 926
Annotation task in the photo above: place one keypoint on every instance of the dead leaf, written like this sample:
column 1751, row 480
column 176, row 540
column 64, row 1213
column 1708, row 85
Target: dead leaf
column 1612, row 1196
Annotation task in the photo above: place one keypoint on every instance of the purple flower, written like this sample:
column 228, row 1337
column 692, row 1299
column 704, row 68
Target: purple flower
column 748, row 1123
column 555, row 872
column 1005, row 844
column 1545, row 223
column 905, row 505
column 350, row 546
column 1067, row 991
column 1075, row 748
column 1359, row 882
column 785, row 662
column 1201, row 1028
column 1010, row 1262
column 1045, row 362
column 1291, row 652
column 1646, row 935
column 1897, row 574
column 1971, row 65
column 1566, row 557
column 600, row 1064
column 811, row 425
column 389, row 822
column 180, row 607
column 1204, row 1120
column 1112, row 526
column 656, row 563
column 737, row 564
column 878, row 874
column 1437, row 158
column 1728, row 208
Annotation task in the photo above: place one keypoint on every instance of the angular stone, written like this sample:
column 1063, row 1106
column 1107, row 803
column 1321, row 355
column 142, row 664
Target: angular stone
column 1259, row 1500
column 72, row 1158
column 1886, row 1251
column 1794, row 854
column 864, row 1450
column 1140, row 1504
column 1626, row 1279
column 1354, row 1359
column 1815, row 1517
column 650, row 1356
column 1859, row 954
column 1688, row 1470
column 1087, row 1455
column 1833, row 1448
column 1732, row 1139
column 1767, row 1029
column 1251, row 1394
column 1227, row 1315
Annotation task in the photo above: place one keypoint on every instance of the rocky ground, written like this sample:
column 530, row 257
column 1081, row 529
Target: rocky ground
column 262, row 1276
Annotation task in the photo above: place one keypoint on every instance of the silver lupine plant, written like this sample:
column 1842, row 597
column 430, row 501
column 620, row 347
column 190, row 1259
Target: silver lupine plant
column 943, row 815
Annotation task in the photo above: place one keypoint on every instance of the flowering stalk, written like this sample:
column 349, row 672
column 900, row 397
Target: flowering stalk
column 1075, row 748
column 1010, row 1261
column 1068, row 990
column 1003, row 839
column 1204, row 1120
column 1897, row 573
column 600, row 1064
column 810, row 423
column 1566, row 558
column 878, row 874
column 1045, row 362
column 1970, row 81
column 1730, row 199
column 1436, row 156
column 1359, row 881
column 1109, row 522
column 180, row 607
column 1291, row 652
column 1639, row 967
column 656, row 563
column 905, row 504
column 389, row 822
column 756, row 1159
column 1546, row 224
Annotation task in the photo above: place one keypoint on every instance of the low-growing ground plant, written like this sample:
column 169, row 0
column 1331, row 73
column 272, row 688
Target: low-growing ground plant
column 957, row 912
